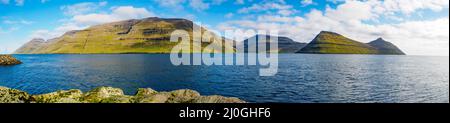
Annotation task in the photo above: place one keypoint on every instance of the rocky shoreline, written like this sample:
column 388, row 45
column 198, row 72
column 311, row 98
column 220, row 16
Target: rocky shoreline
column 8, row 60
column 112, row 95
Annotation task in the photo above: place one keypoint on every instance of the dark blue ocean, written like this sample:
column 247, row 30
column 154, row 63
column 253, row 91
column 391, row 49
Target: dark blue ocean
column 301, row 78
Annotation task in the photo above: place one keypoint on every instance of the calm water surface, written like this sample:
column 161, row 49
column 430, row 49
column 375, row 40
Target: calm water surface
column 301, row 78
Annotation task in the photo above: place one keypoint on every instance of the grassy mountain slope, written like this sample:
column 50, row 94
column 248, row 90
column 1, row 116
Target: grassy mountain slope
column 149, row 35
column 333, row 43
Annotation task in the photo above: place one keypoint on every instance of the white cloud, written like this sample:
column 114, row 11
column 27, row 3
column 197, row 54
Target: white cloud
column 269, row 7
column 17, row 2
column 307, row 2
column 229, row 15
column 8, row 30
column 351, row 10
column 171, row 3
column 4, row 1
column 25, row 22
column 194, row 4
column 81, row 8
column 426, row 37
column 117, row 14
column 44, row 34
column 82, row 21
column 199, row 5
column 1, row 30
column 240, row 2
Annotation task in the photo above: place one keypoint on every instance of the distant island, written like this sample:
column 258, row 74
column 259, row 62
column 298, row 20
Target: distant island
column 152, row 35
column 334, row 43
column 8, row 60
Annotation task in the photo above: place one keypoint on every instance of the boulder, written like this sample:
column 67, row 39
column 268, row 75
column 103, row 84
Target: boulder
column 70, row 96
column 98, row 94
column 162, row 97
column 183, row 96
column 145, row 92
column 8, row 95
column 217, row 99
column 178, row 96
column 118, row 99
column 8, row 60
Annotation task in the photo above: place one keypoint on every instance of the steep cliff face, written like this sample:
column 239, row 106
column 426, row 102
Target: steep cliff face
column 149, row 35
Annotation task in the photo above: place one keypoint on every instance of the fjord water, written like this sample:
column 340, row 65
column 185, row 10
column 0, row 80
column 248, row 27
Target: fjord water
column 301, row 78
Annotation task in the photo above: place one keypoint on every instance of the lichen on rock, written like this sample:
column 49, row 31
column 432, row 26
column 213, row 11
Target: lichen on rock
column 145, row 92
column 156, row 98
column 8, row 95
column 70, row 96
column 99, row 94
column 183, row 96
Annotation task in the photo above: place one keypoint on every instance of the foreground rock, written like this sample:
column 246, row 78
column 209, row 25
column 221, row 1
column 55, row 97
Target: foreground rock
column 8, row 95
column 112, row 95
column 8, row 60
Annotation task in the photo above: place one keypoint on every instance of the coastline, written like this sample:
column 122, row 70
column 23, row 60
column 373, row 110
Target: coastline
column 112, row 95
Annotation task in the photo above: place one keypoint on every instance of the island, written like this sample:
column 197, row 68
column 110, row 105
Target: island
column 333, row 43
column 8, row 60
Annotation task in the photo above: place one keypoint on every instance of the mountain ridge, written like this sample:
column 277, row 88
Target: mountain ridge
column 148, row 35
column 152, row 35
column 327, row 42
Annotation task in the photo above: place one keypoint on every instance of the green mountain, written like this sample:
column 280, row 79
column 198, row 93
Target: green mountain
column 285, row 44
column 32, row 46
column 334, row 43
column 385, row 47
column 149, row 35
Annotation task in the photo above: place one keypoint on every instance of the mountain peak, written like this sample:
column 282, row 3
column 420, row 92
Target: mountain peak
column 328, row 32
column 327, row 42
column 385, row 47
column 380, row 39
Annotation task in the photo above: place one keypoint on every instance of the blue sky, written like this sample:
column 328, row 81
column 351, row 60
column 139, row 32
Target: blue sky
column 420, row 27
